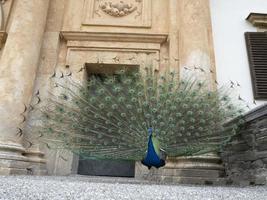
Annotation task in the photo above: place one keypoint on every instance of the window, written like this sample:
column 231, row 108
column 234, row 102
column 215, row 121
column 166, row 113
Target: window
column 257, row 55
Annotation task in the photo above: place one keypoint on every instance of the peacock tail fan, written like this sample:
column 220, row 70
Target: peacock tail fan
column 108, row 117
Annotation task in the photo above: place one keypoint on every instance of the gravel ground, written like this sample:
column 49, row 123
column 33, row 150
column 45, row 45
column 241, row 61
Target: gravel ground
column 102, row 188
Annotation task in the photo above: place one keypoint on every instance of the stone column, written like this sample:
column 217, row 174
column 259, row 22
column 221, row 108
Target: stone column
column 18, row 67
column 196, row 53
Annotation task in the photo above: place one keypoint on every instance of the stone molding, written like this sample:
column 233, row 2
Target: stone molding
column 121, row 37
column 256, row 113
column 12, row 151
column 258, row 19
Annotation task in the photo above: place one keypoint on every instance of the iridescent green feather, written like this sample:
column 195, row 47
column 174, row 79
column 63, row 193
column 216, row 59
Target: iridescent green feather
column 109, row 117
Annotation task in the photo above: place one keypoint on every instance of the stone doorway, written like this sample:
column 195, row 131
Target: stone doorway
column 114, row 168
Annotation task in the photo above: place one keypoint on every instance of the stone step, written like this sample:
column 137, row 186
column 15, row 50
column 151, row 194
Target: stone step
column 189, row 173
column 189, row 180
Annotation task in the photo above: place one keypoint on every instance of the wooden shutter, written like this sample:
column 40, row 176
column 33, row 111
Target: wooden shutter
column 257, row 55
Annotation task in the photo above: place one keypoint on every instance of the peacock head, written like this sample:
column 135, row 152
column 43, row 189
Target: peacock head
column 150, row 131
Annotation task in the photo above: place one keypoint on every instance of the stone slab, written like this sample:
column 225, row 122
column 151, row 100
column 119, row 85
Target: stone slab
column 204, row 173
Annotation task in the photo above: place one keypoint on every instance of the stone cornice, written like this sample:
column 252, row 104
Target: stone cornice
column 258, row 19
column 113, row 37
column 256, row 113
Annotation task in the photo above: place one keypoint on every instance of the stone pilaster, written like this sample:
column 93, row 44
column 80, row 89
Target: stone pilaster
column 195, row 39
column 19, row 63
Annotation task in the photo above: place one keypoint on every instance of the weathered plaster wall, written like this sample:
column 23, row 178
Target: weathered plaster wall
column 229, row 25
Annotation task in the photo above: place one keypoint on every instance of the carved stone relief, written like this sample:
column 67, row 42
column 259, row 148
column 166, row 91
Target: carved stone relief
column 118, row 9
column 118, row 12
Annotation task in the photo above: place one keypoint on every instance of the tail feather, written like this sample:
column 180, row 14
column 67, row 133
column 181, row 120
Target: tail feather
column 108, row 118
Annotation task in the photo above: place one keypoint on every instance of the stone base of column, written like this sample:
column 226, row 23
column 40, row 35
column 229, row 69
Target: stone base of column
column 12, row 160
column 205, row 169
column 37, row 163
column 15, row 160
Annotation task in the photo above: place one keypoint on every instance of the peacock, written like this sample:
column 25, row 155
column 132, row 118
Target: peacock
column 138, row 115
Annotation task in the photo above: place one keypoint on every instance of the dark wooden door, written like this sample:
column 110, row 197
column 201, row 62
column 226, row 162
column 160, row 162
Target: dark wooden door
column 106, row 168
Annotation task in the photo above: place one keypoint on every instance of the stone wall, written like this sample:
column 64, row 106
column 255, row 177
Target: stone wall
column 245, row 157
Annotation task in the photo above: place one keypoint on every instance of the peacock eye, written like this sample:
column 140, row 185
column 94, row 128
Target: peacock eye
column 154, row 110
column 187, row 99
column 97, row 116
column 182, row 122
column 92, row 100
column 190, row 113
column 145, row 103
column 123, row 114
column 185, row 106
column 173, row 108
column 131, row 91
column 134, row 100
column 65, row 97
column 200, row 112
column 96, row 126
column 108, row 98
column 122, row 71
column 161, row 124
column 178, row 115
column 101, row 106
column 149, row 89
column 139, row 94
column 200, row 128
column 107, row 122
column 109, row 114
column 196, row 106
column 101, row 91
column 202, row 121
column 114, row 106
column 129, row 106
column 200, row 84
column 172, row 73
column 133, row 118
column 153, row 99
column 192, row 120
column 168, row 102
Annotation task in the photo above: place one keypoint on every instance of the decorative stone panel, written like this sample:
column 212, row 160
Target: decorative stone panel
column 128, row 13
